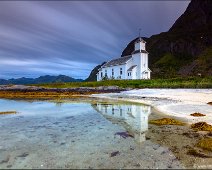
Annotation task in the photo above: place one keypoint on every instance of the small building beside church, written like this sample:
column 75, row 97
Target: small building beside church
column 134, row 66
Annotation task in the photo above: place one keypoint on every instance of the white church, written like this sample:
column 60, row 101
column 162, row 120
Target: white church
column 134, row 66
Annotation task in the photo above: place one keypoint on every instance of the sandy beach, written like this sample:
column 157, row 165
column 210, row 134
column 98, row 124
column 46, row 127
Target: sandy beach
column 173, row 102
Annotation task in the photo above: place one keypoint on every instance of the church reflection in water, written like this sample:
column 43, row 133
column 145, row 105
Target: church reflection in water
column 133, row 117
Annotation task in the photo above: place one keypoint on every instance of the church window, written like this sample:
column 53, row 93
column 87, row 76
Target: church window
column 101, row 74
column 105, row 72
column 112, row 72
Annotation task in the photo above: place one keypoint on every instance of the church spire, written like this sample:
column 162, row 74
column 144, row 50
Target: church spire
column 139, row 42
column 139, row 33
column 139, row 39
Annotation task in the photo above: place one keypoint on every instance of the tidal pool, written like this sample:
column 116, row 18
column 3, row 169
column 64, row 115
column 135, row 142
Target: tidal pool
column 88, row 134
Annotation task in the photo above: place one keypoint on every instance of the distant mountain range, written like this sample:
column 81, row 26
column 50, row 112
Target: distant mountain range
column 39, row 80
column 184, row 50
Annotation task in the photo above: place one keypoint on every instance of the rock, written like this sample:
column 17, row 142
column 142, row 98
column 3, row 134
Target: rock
column 114, row 153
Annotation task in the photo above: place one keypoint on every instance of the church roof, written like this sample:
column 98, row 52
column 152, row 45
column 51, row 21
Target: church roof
column 148, row 70
column 139, row 39
column 139, row 51
column 118, row 61
column 132, row 67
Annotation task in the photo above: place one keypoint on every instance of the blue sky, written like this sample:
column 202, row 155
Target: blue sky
column 70, row 37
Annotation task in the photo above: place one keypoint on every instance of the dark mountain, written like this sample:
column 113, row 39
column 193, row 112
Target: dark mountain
column 186, row 49
column 92, row 76
column 40, row 80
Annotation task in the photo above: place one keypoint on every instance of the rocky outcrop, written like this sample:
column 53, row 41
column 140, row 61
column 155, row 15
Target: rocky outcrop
column 23, row 88
column 92, row 76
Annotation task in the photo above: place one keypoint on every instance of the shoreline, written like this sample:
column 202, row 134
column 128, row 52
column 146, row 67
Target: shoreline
column 179, row 103
column 33, row 92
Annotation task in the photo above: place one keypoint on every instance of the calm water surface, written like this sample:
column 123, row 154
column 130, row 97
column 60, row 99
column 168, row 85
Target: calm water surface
column 79, row 135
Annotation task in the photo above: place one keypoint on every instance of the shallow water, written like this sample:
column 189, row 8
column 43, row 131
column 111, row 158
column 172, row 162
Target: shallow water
column 79, row 135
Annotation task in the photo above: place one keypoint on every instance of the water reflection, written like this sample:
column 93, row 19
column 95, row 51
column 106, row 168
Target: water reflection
column 135, row 117
column 73, row 135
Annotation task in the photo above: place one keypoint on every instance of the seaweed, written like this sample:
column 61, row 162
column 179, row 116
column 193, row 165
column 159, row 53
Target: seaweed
column 197, row 114
column 57, row 95
column 197, row 154
column 201, row 126
column 191, row 134
column 205, row 143
column 8, row 112
column 210, row 103
column 209, row 134
column 166, row 121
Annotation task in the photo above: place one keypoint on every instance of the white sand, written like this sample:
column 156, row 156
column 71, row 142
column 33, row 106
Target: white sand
column 175, row 102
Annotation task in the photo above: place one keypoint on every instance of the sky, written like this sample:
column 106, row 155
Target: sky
column 72, row 37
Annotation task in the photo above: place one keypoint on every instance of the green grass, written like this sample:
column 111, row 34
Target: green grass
column 190, row 82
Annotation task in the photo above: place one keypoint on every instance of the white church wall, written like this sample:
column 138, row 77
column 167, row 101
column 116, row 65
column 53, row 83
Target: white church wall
column 134, row 72
column 114, row 71
column 149, row 75
column 128, row 65
column 137, row 61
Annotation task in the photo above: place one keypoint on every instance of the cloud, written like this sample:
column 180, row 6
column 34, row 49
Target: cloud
column 52, row 37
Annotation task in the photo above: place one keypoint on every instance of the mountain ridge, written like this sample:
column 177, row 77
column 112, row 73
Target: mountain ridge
column 39, row 80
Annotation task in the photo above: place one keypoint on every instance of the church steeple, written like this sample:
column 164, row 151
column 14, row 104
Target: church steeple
column 140, row 43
